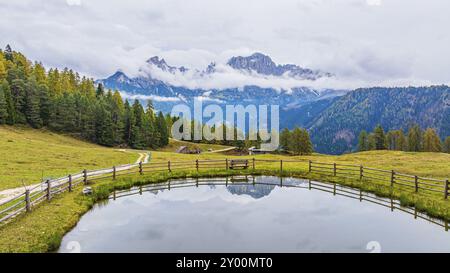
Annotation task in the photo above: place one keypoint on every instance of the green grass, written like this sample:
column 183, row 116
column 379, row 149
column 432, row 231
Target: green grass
column 27, row 155
column 434, row 165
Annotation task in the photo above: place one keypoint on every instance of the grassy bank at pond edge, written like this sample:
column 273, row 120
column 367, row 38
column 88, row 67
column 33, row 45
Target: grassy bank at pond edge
column 43, row 229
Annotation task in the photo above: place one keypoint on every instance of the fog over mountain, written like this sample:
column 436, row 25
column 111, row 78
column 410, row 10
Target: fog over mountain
column 253, row 79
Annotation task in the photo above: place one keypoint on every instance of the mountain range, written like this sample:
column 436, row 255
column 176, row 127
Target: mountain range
column 334, row 118
column 255, row 67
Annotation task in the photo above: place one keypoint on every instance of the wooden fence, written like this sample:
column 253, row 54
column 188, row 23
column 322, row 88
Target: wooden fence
column 25, row 201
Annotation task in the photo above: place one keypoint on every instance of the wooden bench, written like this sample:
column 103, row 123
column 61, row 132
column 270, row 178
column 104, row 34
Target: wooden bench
column 238, row 164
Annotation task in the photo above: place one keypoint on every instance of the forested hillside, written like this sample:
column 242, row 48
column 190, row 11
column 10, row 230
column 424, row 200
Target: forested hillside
column 63, row 101
column 336, row 129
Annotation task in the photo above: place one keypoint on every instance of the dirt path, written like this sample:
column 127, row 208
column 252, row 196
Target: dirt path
column 5, row 195
column 222, row 150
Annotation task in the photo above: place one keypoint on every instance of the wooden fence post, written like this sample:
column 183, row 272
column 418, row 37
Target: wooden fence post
column 334, row 169
column 49, row 190
column 361, row 172
column 196, row 164
column 416, row 183
column 446, row 189
column 27, row 200
column 281, row 166
column 392, row 178
column 253, row 163
column 85, row 176
column 310, row 163
column 141, row 171
column 114, row 172
column 168, row 166
column 70, row 183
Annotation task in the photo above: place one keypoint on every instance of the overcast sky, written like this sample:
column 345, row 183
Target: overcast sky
column 373, row 41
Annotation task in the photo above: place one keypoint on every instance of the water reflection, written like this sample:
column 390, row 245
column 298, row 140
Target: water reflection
column 257, row 214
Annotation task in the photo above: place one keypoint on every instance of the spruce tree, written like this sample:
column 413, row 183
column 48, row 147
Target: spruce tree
column 103, row 125
column 100, row 90
column 285, row 139
column 431, row 141
column 32, row 104
column 371, row 142
column 44, row 104
column 296, row 141
column 446, row 146
column 400, row 142
column 306, row 145
column 414, row 138
column 8, row 53
column 137, row 139
column 18, row 95
column 2, row 69
column 380, row 138
column 10, row 120
column 162, row 128
column 363, row 144
column 3, row 107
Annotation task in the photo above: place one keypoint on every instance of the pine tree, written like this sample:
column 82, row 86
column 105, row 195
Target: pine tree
column 400, row 142
column 18, row 94
column 285, row 139
column 3, row 107
column 414, row 138
column 371, row 142
column 137, row 139
column 446, row 147
column 296, row 141
column 306, row 145
column 431, row 141
column 117, row 114
column 162, row 129
column 44, row 104
column 11, row 112
column 129, row 122
column 100, row 90
column 8, row 53
column 104, row 134
column 2, row 69
column 363, row 142
column 380, row 138
column 32, row 104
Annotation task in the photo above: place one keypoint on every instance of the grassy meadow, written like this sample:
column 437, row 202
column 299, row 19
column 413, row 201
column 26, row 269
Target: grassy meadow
column 435, row 165
column 27, row 155
column 175, row 144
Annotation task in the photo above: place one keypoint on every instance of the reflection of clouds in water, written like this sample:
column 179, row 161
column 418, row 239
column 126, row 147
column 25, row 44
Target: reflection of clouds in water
column 288, row 219
column 203, row 194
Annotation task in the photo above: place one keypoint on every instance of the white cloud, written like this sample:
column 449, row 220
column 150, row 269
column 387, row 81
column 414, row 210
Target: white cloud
column 126, row 95
column 399, row 41
column 73, row 2
column 374, row 2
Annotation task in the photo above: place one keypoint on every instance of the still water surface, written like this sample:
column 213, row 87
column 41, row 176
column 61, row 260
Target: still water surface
column 263, row 214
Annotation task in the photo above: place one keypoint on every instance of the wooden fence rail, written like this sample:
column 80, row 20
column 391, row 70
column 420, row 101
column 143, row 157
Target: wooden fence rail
column 31, row 197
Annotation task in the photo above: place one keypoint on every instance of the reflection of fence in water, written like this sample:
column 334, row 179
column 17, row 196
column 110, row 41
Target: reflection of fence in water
column 332, row 188
column 25, row 201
